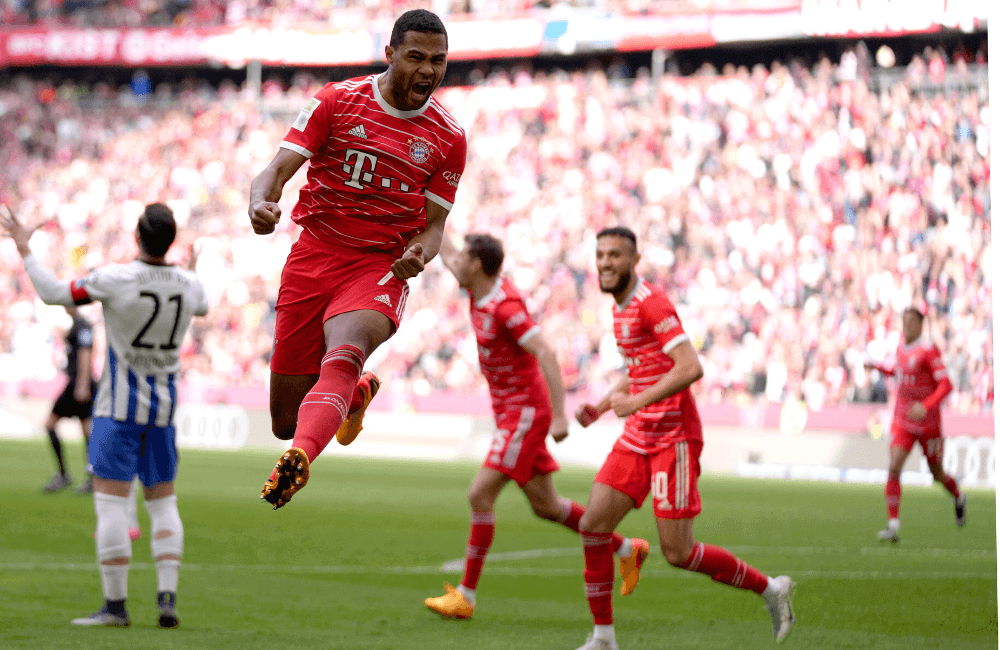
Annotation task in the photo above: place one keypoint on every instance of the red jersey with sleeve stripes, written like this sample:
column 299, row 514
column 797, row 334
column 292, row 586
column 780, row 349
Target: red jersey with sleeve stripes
column 371, row 166
column 647, row 328
column 919, row 369
column 502, row 324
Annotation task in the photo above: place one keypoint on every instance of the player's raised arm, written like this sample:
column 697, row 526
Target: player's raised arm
column 265, row 190
column 448, row 253
column 685, row 371
column 51, row 290
column 549, row 364
column 424, row 246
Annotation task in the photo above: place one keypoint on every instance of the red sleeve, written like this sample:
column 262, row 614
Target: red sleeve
column 78, row 291
column 884, row 369
column 662, row 319
column 940, row 374
column 311, row 129
column 443, row 184
column 513, row 316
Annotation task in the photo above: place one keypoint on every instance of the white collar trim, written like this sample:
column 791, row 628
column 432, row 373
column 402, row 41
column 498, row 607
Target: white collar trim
column 395, row 112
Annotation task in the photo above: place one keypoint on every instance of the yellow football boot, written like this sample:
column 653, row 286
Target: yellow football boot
column 452, row 604
column 629, row 566
column 290, row 475
column 351, row 426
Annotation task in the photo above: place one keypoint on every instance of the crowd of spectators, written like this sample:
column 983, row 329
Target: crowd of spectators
column 790, row 212
column 340, row 13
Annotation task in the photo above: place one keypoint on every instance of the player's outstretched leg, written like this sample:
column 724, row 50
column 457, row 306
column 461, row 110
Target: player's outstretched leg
column 452, row 604
column 368, row 385
column 630, row 566
column 290, row 475
column 725, row 568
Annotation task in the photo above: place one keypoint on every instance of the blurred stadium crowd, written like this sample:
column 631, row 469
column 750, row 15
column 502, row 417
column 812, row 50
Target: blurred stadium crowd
column 790, row 211
column 344, row 14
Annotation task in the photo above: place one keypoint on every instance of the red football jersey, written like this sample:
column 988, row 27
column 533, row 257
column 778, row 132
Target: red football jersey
column 647, row 328
column 919, row 369
column 502, row 323
column 371, row 166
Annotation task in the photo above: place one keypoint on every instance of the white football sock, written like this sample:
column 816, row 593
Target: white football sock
column 605, row 632
column 470, row 594
column 772, row 589
column 894, row 525
column 625, row 549
column 114, row 580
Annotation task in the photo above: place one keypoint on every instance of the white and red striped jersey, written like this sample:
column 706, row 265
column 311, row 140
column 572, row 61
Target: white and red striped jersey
column 502, row 324
column 371, row 166
column 647, row 328
column 919, row 369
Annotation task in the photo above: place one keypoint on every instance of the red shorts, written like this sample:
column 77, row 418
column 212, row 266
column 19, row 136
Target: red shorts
column 518, row 450
column 671, row 474
column 931, row 441
column 320, row 281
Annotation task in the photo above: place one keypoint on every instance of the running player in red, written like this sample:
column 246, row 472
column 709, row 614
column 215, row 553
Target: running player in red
column 923, row 385
column 385, row 161
column 659, row 449
column 528, row 397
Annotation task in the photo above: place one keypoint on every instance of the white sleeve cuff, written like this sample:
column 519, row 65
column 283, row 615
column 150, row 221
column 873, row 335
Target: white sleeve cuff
column 527, row 335
column 674, row 342
column 437, row 199
column 291, row 146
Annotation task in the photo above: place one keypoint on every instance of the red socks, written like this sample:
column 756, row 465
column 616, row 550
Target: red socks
column 722, row 566
column 572, row 511
column 892, row 494
column 326, row 405
column 950, row 485
column 480, row 540
column 599, row 575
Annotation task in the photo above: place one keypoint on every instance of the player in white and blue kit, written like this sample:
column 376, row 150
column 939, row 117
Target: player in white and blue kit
column 148, row 305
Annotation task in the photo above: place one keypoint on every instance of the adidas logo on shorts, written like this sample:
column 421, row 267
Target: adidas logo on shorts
column 358, row 132
column 384, row 299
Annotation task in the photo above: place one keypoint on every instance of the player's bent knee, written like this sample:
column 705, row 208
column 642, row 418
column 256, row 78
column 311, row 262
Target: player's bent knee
column 284, row 434
column 167, row 538
column 675, row 556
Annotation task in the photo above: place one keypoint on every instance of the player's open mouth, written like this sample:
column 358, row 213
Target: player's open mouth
column 422, row 88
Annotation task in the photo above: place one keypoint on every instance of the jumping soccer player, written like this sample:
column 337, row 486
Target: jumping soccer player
column 659, row 450
column 148, row 305
column 923, row 385
column 528, row 397
column 385, row 161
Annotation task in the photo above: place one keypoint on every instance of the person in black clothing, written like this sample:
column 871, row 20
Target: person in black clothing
column 76, row 400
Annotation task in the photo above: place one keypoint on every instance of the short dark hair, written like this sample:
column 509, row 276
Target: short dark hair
column 620, row 231
column 416, row 20
column 157, row 229
column 915, row 310
column 488, row 250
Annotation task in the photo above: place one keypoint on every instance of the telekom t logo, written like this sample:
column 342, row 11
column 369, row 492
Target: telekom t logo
column 357, row 168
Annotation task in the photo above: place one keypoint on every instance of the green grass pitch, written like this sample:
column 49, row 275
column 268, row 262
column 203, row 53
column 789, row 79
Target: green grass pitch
column 348, row 563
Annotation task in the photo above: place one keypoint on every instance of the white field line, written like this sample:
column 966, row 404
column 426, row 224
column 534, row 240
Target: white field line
column 458, row 564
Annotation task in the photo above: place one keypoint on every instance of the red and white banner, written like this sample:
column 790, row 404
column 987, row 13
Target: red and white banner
column 686, row 25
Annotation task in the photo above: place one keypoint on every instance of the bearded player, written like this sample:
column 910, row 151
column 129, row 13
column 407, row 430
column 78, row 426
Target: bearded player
column 385, row 160
column 659, row 449
column 923, row 385
column 528, row 398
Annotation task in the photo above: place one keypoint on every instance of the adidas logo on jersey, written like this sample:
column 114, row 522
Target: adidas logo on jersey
column 384, row 299
column 358, row 132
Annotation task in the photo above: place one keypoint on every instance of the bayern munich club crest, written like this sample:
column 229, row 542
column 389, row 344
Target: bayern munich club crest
column 420, row 150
